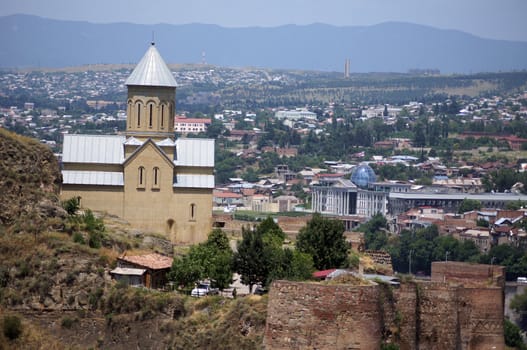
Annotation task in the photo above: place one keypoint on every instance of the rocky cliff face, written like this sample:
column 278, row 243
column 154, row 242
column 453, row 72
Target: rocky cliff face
column 29, row 182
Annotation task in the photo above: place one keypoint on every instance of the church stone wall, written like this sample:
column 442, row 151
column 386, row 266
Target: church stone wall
column 187, row 229
column 107, row 199
column 148, row 206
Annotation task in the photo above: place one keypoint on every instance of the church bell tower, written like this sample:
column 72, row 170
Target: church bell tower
column 151, row 99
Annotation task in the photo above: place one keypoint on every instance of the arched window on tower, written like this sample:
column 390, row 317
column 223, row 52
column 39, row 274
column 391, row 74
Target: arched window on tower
column 162, row 121
column 151, row 114
column 170, row 114
column 141, row 177
column 193, row 212
column 130, row 113
column 156, row 178
column 138, row 107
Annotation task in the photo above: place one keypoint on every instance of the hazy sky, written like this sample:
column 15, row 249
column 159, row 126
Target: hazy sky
column 498, row 19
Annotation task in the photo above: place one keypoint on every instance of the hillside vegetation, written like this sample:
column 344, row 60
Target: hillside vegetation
column 55, row 287
column 29, row 182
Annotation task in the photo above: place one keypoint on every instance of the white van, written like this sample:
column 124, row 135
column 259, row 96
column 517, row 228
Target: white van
column 521, row 280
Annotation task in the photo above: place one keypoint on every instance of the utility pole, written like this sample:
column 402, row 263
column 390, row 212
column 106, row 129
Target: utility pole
column 492, row 266
column 446, row 260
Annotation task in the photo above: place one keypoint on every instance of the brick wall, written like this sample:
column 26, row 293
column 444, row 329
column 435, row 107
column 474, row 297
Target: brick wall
column 468, row 274
column 316, row 316
column 416, row 315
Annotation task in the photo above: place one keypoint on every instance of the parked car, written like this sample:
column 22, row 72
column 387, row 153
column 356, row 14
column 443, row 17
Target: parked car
column 260, row 290
column 203, row 289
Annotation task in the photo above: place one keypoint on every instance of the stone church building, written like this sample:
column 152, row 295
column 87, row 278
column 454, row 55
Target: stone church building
column 148, row 177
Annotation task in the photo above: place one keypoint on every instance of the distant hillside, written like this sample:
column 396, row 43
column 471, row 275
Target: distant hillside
column 30, row 41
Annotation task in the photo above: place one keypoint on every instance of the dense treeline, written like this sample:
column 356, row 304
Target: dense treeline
column 417, row 249
column 261, row 257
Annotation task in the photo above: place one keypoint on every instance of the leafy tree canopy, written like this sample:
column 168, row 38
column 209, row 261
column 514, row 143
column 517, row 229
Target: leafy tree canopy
column 324, row 240
column 469, row 205
column 208, row 260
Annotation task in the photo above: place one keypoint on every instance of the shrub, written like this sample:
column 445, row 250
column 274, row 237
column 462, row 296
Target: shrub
column 94, row 239
column 12, row 327
column 91, row 223
column 71, row 205
column 78, row 238
column 24, row 269
column 94, row 297
column 4, row 276
column 68, row 322
column 42, row 286
column 70, row 278
column 390, row 346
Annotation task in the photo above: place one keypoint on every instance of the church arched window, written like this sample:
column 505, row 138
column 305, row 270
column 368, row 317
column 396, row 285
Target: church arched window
column 156, row 177
column 130, row 110
column 150, row 114
column 162, row 121
column 138, row 107
column 193, row 211
column 141, row 177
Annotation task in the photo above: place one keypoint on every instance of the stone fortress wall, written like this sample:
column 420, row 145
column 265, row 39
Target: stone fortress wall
column 465, row 312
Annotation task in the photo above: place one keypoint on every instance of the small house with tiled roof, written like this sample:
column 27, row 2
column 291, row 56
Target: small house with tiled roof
column 149, row 270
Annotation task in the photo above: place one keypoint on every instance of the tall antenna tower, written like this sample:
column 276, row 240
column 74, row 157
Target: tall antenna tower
column 203, row 58
column 347, row 64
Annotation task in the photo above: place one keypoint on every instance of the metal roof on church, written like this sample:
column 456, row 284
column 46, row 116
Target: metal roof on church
column 83, row 177
column 107, row 149
column 195, row 152
column 151, row 71
column 166, row 142
column 194, row 181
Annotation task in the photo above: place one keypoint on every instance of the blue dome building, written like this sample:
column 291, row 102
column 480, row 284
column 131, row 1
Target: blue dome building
column 363, row 175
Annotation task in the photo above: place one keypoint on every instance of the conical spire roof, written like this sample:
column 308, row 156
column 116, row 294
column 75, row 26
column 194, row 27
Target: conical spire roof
column 152, row 71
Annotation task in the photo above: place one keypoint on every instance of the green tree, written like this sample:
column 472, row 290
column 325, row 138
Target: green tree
column 211, row 259
column 469, row 205
column 512, row 334
column 375, row 235
column 250, row 175
column 215, row 129
column 251, row 259
column 324, row 240
column 260, row 258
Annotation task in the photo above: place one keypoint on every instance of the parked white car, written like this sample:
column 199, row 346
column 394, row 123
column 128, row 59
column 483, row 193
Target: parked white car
column 203, row 289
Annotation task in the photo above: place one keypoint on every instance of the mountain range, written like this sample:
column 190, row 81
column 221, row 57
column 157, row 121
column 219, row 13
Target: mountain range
column 31, row 41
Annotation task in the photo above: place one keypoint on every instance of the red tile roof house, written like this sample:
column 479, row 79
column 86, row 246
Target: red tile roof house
column 322, row 275
column 149, row 270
